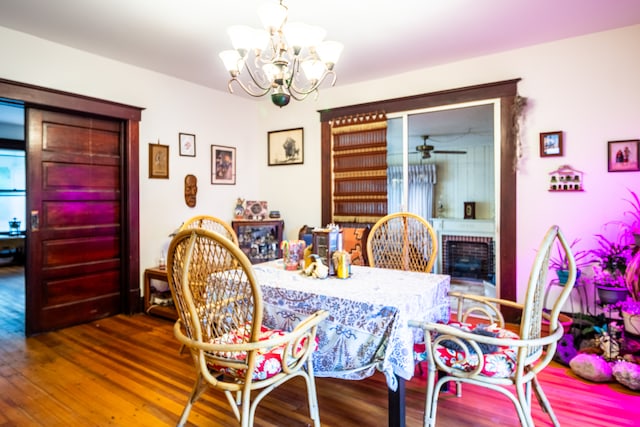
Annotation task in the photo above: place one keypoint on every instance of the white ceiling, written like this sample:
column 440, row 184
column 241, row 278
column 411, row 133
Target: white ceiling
column 182, row 38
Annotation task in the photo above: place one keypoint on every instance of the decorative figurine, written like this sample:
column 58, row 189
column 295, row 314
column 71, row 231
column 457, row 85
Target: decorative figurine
column 316, row 269
column 238, row 211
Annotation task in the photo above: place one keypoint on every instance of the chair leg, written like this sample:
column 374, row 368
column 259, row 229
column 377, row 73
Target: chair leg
column 431, row 398
column 544, row 402
column 522, row 407
column 312, row 395
column 442, row 381
column 199, row 387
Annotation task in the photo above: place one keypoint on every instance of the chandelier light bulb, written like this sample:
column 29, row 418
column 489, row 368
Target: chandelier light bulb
column 313, row 69
column 329, row 52
column 232, row 61
column 242, row 38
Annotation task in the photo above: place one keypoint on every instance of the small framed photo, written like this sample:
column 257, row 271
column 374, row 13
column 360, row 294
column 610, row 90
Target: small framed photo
column 286, row 147
column 256, row 210
column 469, row 210
column 158, row 161
column 623, row 155
column 223, row 165
column 551, row 144
column 187, row 144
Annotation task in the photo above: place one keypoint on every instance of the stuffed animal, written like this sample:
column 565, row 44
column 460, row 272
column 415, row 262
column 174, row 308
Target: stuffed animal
column 566, row 350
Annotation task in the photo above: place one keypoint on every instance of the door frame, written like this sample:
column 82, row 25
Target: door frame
column 55, row 100
column 507, row 92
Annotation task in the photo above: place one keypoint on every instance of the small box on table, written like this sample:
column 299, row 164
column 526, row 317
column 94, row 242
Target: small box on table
column 325, row 243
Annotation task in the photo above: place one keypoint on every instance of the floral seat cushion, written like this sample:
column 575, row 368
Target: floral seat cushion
column 499, row 361
column 269, row 361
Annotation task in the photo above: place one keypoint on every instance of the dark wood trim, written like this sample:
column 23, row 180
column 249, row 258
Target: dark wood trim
column 506, row 91
column 56, row 100
column 507, row 203
column 133, row 303
column 427, row 100
column 325, row 185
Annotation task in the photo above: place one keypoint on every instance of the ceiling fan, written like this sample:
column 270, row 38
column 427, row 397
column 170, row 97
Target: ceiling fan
column 427, row 149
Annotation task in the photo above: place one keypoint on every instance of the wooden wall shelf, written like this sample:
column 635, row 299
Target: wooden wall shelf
column 566, row 179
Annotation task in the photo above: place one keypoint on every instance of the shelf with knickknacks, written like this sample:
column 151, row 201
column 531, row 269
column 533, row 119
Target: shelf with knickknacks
column 565, row 179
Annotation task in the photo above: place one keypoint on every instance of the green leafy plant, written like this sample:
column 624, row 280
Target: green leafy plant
column 634, row 212
column 559, row 260
column 632, row 278
column 611, row 259
column 631, row 226
column 630, row 306
column 611, row 255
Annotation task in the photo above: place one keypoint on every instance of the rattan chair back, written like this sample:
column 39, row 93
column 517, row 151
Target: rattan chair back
column 211, row 223
column 220, row 307
column 402, row 241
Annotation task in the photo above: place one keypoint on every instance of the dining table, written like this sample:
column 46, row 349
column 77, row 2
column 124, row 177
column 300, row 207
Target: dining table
column 367, row 329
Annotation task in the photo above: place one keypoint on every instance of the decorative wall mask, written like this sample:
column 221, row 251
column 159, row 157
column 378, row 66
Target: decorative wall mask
column 190, row 190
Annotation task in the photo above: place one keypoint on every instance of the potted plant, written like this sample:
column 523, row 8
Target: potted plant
column 609, row 270
column 630, row 309
column 631, row 228
column 560, row 264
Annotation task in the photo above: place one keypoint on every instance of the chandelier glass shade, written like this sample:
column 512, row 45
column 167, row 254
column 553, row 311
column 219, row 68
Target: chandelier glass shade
column 288, row 60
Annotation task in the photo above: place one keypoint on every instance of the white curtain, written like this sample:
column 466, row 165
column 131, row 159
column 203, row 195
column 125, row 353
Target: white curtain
column 421, row 179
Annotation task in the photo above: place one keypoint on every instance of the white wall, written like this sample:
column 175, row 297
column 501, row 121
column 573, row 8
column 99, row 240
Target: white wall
column 585, row 86
column 170, row 106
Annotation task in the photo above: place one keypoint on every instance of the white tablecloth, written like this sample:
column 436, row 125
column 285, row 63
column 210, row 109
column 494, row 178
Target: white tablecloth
column 367, row 327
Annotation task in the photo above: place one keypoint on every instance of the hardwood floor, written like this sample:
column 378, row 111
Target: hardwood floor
column 127, row 371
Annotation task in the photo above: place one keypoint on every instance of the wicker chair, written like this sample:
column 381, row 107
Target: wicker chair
column 402, row 241
column 220, row 322
column 492, row 356
column 211, row 223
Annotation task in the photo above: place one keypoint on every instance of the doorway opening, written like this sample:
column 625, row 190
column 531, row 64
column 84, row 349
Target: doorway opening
column 13, row 195
column 449, row 156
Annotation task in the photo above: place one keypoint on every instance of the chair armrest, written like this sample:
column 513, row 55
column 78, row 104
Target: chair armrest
column 487, row 306
column 468, row 336
column 306, row 325
column 436, row 333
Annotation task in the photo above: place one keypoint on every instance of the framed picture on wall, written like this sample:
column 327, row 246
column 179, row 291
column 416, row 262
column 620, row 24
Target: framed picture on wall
column 551, row 144
column 187, row 144
column 223, row 165
column 158, row 161
column 623, row 155
column 286, row 147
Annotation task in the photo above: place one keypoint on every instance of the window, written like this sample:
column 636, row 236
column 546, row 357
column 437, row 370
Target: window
column 12, row 188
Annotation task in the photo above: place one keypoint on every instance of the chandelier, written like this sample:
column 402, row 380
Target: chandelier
column 288, row 60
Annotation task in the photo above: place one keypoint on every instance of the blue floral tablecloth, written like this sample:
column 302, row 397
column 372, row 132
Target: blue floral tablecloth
column 367, row 328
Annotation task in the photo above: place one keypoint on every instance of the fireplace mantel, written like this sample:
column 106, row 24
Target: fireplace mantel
column 464, row 227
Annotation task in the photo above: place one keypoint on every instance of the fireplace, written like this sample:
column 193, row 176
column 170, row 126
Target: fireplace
column 469, row 257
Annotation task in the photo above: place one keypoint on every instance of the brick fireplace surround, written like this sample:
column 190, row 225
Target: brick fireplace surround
column 469, row 257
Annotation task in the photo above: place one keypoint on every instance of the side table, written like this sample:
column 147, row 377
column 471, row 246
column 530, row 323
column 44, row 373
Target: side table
column 579, row 287
column 155, row 301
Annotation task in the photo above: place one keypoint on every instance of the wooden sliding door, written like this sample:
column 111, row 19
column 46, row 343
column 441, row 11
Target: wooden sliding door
column 75, row 180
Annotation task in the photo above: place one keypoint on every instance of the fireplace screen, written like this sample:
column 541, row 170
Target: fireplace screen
column 469, row 257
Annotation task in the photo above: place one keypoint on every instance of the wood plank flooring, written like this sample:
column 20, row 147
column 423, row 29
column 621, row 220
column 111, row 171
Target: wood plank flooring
column 127, row 371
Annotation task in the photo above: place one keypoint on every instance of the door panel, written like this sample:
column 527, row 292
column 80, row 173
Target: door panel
column 74, row 271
